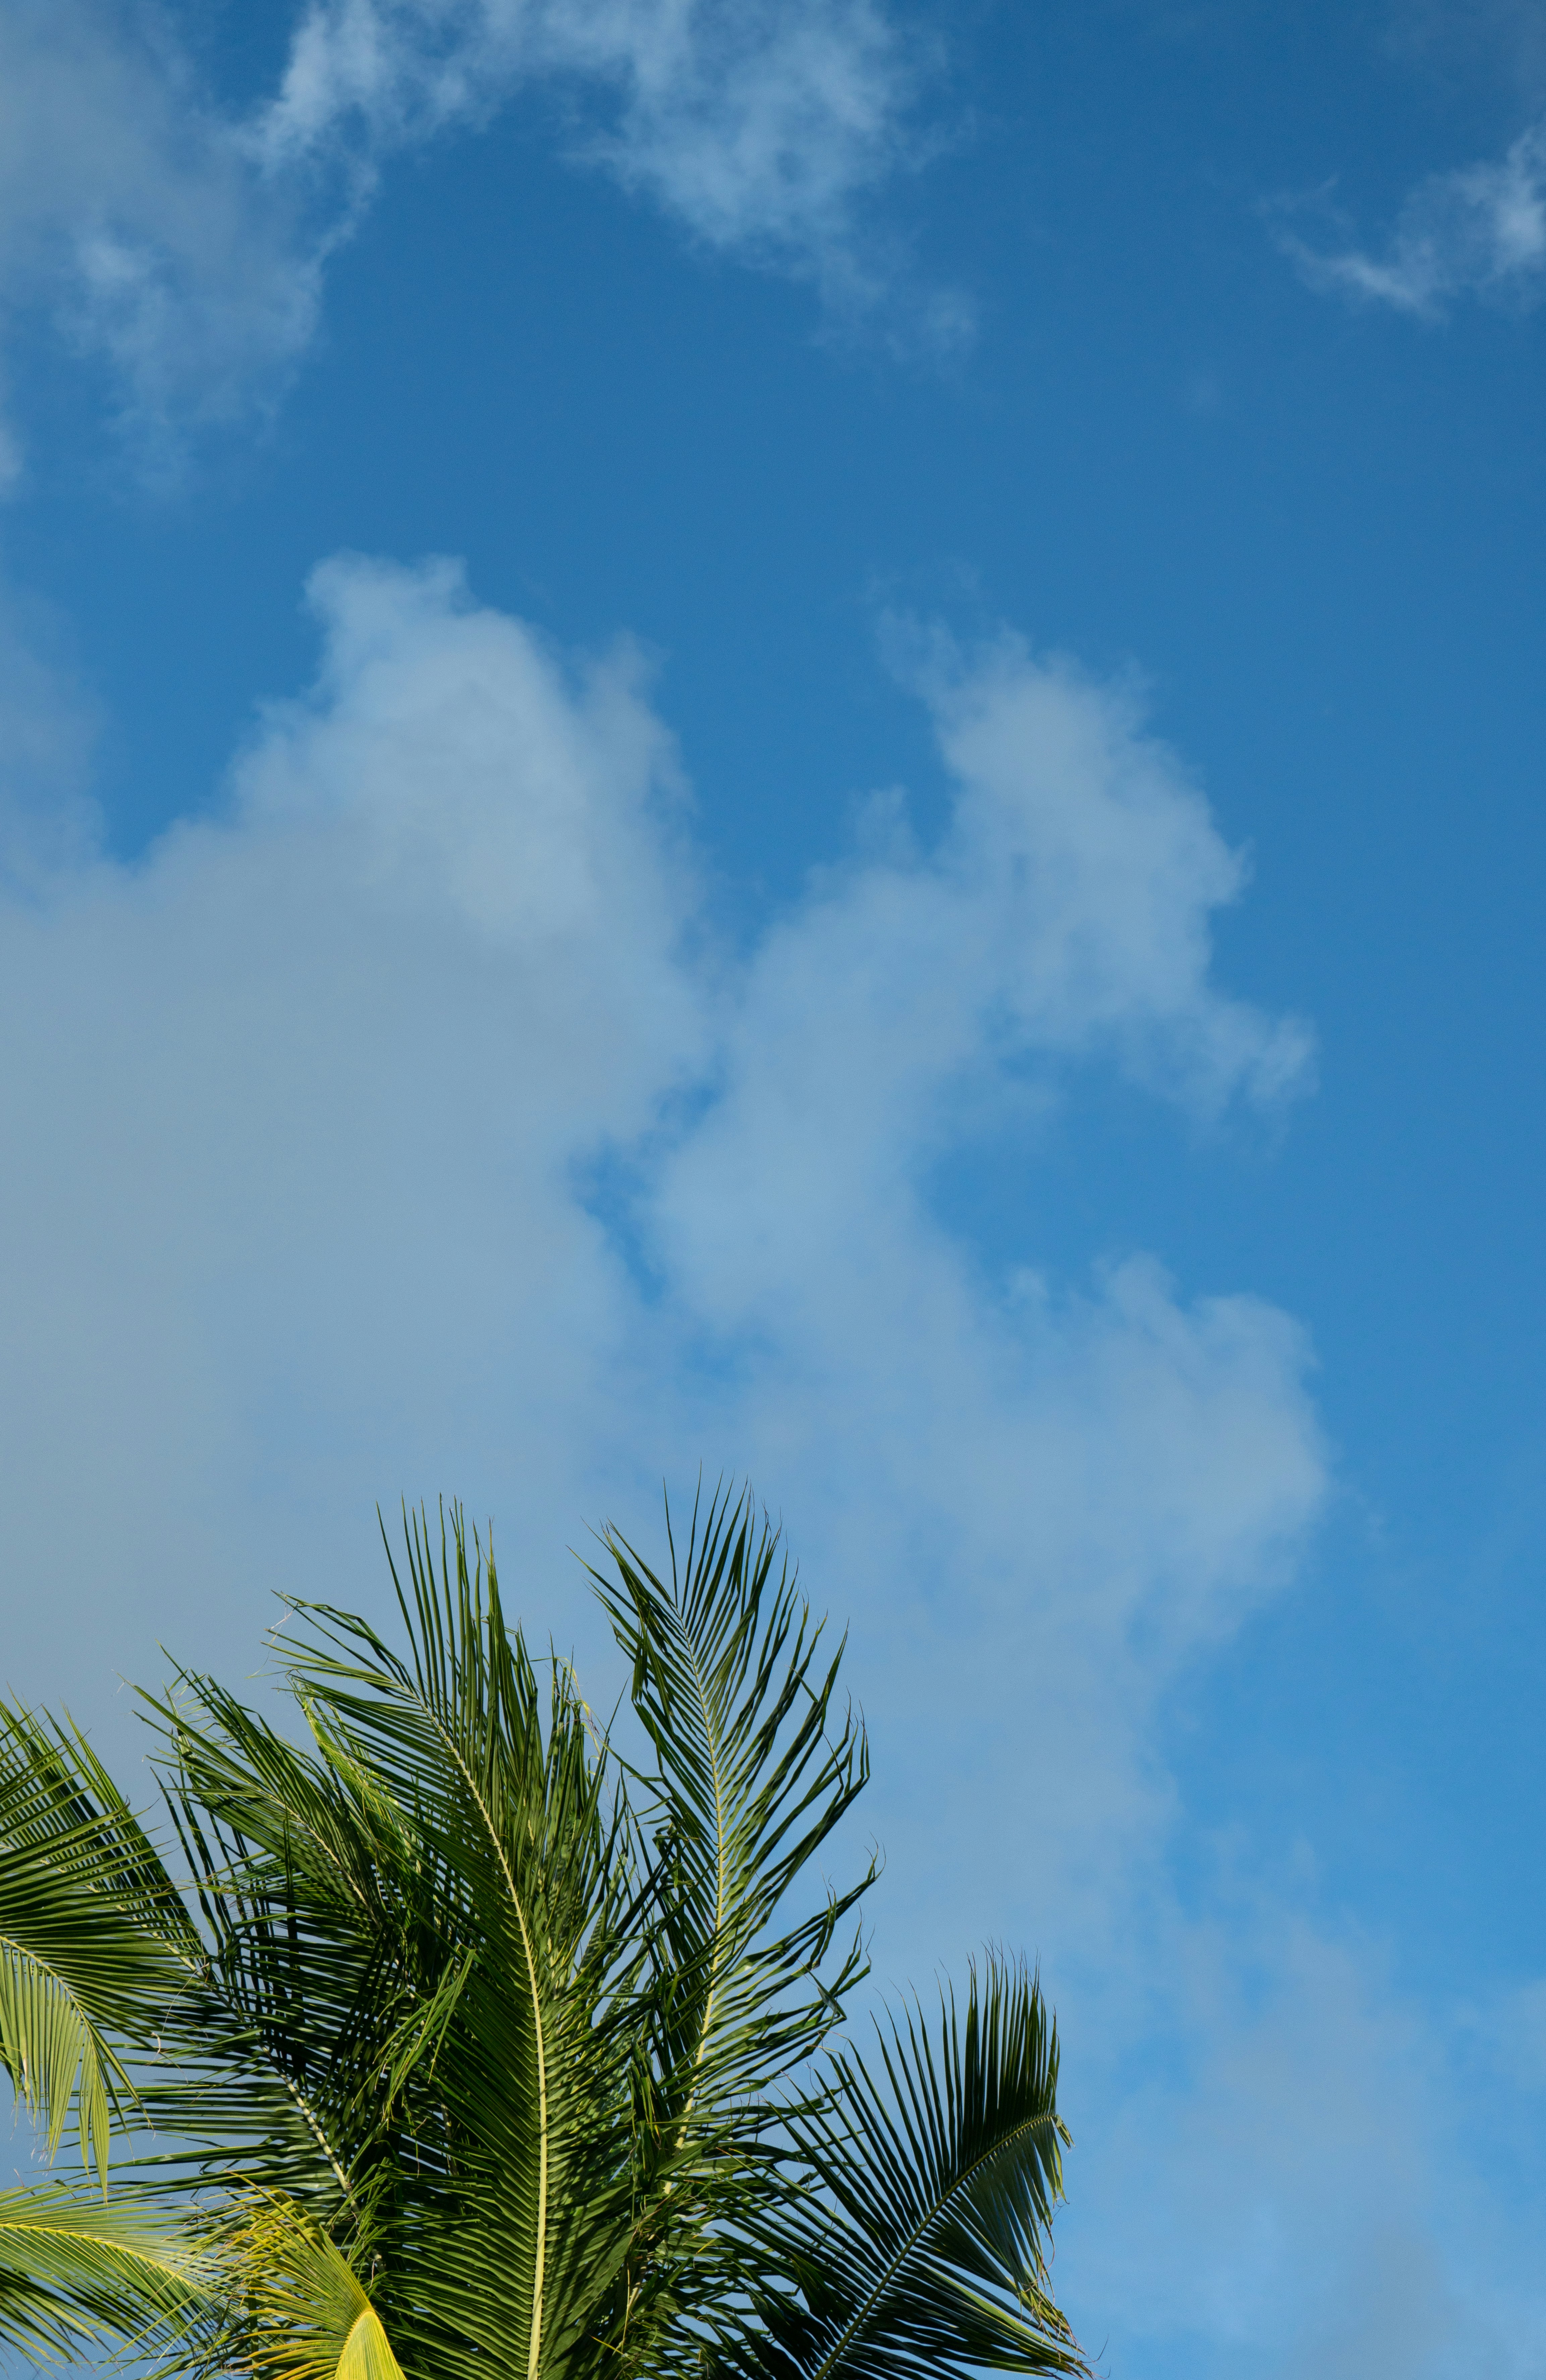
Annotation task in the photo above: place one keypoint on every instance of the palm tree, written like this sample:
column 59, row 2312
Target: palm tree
column 470, row 2046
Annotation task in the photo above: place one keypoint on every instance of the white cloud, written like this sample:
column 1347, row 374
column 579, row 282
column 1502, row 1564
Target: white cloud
column 184, row 247
column 406, row 1126
column 754, row 124
column 1107, row 866
column 451, row 905
column 1480, row 230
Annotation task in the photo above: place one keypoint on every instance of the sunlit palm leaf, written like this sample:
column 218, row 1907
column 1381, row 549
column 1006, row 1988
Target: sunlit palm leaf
column 510, row 1800
column 50, row 2048
column 299, row 2311
column 75, row 2273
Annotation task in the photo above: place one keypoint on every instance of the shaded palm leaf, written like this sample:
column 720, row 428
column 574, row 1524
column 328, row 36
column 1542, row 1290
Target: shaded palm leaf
column 93, row 1942
column 754, row 1767
column 919, row 2251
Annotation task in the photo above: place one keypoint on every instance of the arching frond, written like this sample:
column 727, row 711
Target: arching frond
column 919, row 2251
column 756, row 1765
column 298, row 2309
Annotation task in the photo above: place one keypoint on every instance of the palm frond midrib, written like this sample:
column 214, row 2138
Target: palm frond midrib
column 497, row 1846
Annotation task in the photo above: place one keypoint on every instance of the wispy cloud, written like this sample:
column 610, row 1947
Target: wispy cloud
column 133, row 218
column 756, row 126
column 1478, row 231
column 185, row 247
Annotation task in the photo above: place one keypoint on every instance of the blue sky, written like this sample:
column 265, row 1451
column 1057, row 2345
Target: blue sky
column 810, row 738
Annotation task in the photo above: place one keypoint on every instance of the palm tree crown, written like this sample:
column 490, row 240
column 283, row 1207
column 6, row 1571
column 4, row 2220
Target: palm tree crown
column 461, row 2047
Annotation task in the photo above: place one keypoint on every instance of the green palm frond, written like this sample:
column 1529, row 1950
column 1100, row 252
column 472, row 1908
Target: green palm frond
column 93, row 1942
column 756, row 1768
column 419, row 1934
column 918, row 2252
column 755, row 1765
column 307, row 1897
column 77, row 2273
column 470, row 2050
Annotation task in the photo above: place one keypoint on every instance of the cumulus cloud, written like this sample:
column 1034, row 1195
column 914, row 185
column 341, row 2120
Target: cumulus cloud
column 407, row 1124
column 451, row 906
column 1478, row 231
column 183, row 247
